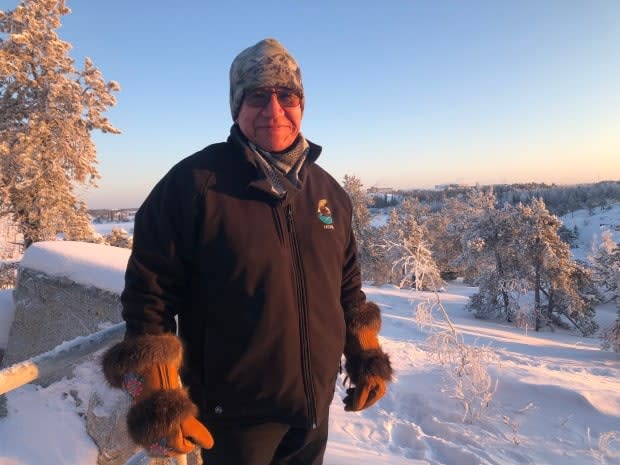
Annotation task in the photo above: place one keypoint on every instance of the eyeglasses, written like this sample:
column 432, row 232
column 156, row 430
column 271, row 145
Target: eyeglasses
column 262, row 96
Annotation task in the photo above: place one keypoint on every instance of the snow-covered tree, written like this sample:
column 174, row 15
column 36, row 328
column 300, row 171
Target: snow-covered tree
column 370, row 257
column 361, row 216
column 444, row 234
column 407, row 250
column 562, row 287
column 606, row 271
column 48, row 109
column 412, row 208
column 517, row 250
column 119, row 237
column 465, row 217
column 488, row 247
column 605, row 263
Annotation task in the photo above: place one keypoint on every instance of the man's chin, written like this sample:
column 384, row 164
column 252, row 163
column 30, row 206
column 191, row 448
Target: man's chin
column 275, row 141
column 274, row 131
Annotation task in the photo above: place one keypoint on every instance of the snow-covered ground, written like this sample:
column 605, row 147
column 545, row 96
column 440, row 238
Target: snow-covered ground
column 557, row 399
column 590, row 227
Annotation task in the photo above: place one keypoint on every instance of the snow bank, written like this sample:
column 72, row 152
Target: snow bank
column 96, row 265
column 64, row 290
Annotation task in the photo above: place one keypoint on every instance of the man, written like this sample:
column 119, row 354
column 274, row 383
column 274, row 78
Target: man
column 248, row 243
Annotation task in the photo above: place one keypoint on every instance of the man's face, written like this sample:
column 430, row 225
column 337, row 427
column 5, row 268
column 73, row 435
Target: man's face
column 270, row 118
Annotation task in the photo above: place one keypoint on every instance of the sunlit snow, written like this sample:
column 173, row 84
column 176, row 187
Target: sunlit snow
column 557, row 399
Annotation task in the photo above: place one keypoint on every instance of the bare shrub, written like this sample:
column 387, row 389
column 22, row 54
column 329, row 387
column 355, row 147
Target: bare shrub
column 514, row 429
column 466, row 366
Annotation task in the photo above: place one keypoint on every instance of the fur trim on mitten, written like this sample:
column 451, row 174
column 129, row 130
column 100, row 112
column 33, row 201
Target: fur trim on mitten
column 365, row 358
column 159, row 416
column 139, row 353
column 369, row 363
column 368, row 315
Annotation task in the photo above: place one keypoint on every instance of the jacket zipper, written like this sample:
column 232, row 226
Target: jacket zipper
column 278, row 223
column 303, row 317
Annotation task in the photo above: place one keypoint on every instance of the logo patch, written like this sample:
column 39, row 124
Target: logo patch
column 325, row 214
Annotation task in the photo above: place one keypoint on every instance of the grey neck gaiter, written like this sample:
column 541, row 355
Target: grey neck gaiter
column 287, row 164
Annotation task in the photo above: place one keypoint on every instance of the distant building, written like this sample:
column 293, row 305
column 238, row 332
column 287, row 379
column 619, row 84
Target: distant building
column 383, row 195
column 449, row 187
column 124, row 215
column 380, row 190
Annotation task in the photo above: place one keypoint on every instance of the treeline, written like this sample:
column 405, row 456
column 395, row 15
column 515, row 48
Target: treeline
column 513, row 252
column 559, row 200
column 106, row 215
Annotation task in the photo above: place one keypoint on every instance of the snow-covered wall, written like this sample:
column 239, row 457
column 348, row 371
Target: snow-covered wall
column 95, row 265
column 64, row 290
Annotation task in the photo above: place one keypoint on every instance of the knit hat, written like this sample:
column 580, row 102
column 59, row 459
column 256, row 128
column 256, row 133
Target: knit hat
column 264, row 64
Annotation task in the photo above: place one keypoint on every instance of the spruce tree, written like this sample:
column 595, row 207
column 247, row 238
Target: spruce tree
column 48, row 109
column 606, row 271
column 562, row 287
column 605, row 263
column 488, row 247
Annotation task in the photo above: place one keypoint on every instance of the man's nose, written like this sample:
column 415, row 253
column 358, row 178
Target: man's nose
column 273, row 107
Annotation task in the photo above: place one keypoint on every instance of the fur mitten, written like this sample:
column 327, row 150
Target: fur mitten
column 368, row 367
column 162, row 418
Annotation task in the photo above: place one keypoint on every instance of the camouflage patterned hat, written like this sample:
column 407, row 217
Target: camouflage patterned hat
column 264, row 64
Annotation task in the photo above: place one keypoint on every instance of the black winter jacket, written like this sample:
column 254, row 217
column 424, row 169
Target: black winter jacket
column 259, row 285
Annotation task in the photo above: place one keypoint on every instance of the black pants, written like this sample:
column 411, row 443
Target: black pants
column 267, row 444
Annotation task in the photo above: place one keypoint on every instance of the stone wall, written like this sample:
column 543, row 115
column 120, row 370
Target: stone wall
column 50, row 310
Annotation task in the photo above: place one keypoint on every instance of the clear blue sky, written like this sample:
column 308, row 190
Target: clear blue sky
column 400, row 93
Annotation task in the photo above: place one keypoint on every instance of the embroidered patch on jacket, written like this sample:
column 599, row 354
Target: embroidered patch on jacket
column 325, row 214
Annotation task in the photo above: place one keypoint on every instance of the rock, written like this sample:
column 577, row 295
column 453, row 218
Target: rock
column 50, row 310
